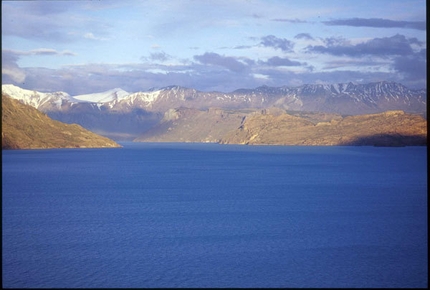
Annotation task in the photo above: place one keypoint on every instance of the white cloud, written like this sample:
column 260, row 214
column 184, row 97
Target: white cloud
column 260, row 76
column 38, row 52
column 90, row 35
column 14, row 73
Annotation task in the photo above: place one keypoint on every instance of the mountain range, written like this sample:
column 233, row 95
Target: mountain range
column 121, row 115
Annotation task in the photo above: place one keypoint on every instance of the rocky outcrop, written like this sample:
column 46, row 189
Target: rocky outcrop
column 24, row 127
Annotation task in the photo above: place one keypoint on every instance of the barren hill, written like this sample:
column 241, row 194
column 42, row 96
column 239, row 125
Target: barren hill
column 276, row 126
column 391, row 128
column 24, row 127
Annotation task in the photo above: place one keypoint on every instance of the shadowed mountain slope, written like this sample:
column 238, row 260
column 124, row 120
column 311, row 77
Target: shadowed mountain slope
column 192, row 125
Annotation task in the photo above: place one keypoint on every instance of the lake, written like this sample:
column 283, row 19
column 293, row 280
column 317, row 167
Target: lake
column 211, row 215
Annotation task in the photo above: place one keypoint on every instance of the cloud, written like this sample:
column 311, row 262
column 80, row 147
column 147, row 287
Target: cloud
column 92, row 78
column 35, row 25
column 228, row 62
column 243, row 46
column 38, row 51
column 377, row 23
column 356, row 63
column 289, row 20
column 51, row 21
column 269, row 41
column 213, row 72
column 68, row 53
column 383, row 47
column 278, row 61
column 157, row 56
column 44, row 8
column 291, row 78
column 304, row 36
column 11, row 72
column 256, row 16
column 336, row 41
column 43, row 51
column 413, row 67
column 48, row 51
column 272, row 41
column 277, row 43
column 90, row 35
column 161, row 56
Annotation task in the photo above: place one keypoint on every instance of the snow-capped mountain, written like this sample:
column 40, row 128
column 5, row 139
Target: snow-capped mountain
column 34, row 98
column 117, row 111
column 116, row 94
column 344, row 98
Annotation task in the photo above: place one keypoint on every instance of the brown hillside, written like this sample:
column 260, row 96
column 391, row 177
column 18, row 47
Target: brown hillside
column 392, row 128
column 24, row 127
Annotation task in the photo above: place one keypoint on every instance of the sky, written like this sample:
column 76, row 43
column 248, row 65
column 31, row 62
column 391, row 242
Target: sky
column 83, row 47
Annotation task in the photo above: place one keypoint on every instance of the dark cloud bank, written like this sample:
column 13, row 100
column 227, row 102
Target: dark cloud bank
column 378, row 23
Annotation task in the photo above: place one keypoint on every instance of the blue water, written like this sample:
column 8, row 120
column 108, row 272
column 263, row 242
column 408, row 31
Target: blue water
column 209, row 215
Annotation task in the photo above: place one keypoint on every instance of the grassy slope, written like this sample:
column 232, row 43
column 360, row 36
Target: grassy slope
column 393, row 128
column 24, row 127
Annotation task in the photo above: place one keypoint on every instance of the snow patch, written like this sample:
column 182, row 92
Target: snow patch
column 147, row 97
column 336, row 88
column 58, row 103
column 116, row 94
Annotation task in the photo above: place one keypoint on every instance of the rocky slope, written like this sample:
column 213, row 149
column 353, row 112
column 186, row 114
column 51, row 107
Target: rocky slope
column 391, row 128
column 24, row 127
column 192, row 125
column 124, row 116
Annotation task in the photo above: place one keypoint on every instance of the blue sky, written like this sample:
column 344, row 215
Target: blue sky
column 91, row 46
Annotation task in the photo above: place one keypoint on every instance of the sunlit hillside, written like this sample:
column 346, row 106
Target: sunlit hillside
column 24, row 127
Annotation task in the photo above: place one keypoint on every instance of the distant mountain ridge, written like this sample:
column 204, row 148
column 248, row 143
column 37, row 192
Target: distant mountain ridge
column 120, row 115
